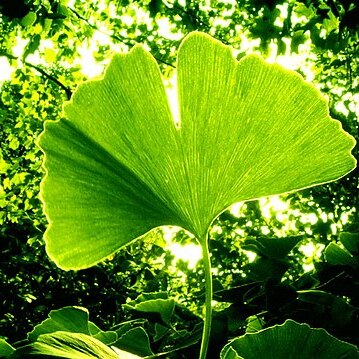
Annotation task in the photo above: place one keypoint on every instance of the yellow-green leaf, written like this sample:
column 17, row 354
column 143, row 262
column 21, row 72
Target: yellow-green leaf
column 120, row 164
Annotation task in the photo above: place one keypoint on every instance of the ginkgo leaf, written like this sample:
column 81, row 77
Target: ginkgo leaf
column 120, row 164
column 69, row 319
column 5, row 348
column 66, row 345
column 289, row 340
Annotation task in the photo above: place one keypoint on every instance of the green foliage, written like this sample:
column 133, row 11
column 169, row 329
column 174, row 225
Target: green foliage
column 138, row 175
column 156, row 304
column 313, row 288
column 289, row 340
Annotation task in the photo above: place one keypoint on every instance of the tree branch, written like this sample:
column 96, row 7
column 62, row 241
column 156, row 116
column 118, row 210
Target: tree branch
column 42, row 72
column 115, row 37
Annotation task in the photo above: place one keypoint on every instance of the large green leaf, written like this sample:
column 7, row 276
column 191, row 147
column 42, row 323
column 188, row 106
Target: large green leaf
column 120, row 164
column 338, row 256
column 5, row 348
column 69, row 319
column 72, row 320
column 350, row 242
column 275, row 248
column 289, row 340
column 348, row 255
column 66, row 345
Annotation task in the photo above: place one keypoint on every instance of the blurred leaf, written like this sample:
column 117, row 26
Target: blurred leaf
column 263, row 268
column 297, row 39
column 281, row 47
column 341, row 312
column 254, row 324
column 278, row 294
column 350, row 242
column 49, row 55
column 5, row 348
column 235, row 294
column 272, row 247
column 29, row 19
column 4, row 166
column 155, row 6
column 302, row 10
column 338, row 256
column 32, row 46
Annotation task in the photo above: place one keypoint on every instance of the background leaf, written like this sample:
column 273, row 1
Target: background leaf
column 290, row 340
column 135, row 341
column 69, row 319
column 156, row 305
column 5, row 348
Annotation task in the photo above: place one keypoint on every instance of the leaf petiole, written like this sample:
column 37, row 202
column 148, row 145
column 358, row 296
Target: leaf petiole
column 208, row 301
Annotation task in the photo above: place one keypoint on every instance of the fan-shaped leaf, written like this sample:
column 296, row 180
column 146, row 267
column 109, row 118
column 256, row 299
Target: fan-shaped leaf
column 135, row 341
column 120, row 164
column 72, row 320
column 69, row 319
column 289, row 340
column 66, row 345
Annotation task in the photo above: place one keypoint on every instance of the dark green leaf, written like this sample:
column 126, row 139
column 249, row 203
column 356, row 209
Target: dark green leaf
column 276, row 248
column 338, row 256
column 289, row 340
column 144, row 304
column 135, row 341
column 5, row 348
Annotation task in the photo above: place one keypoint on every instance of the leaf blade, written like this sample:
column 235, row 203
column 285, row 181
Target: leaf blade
column 120, row 166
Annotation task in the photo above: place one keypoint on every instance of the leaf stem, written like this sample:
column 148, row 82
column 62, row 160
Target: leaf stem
column 208, row 302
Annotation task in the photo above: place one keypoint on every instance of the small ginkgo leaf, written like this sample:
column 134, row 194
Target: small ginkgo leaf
column 336, row 255
column 120, row 164
column 135, row 341
column 159, row 309
column 69, row 319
